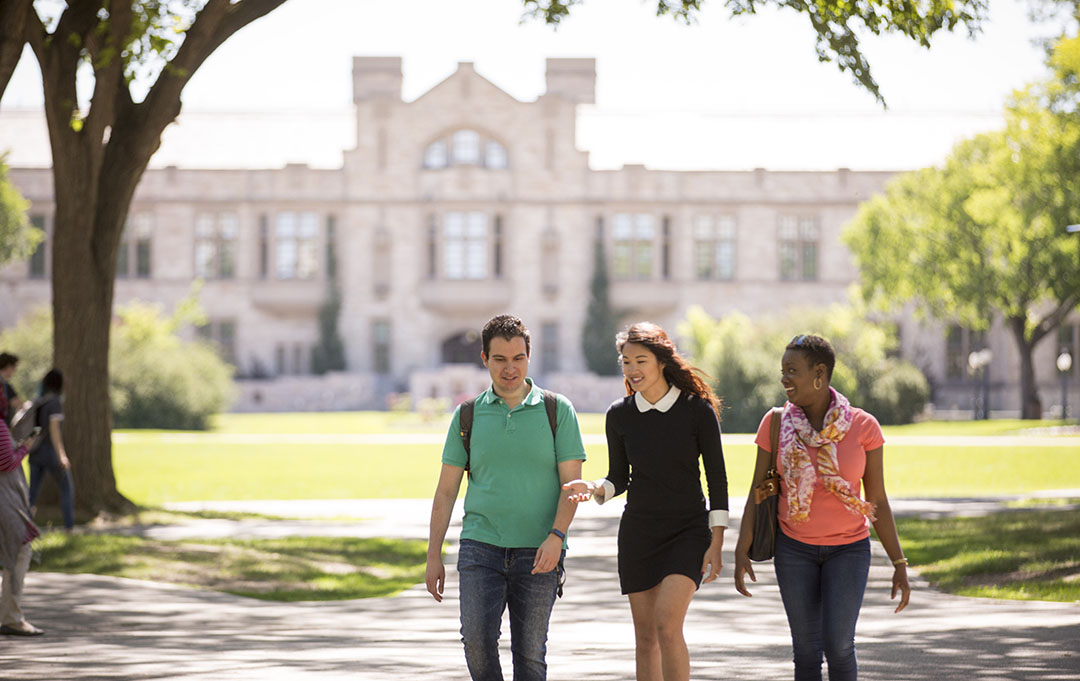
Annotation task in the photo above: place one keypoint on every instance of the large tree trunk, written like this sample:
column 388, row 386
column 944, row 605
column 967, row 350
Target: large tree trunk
column 1030, row 404
column 84, row 269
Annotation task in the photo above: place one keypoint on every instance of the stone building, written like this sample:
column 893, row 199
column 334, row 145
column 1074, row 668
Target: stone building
column 466, row 203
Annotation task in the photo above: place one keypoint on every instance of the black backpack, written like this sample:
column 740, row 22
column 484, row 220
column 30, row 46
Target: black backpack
column 465, row 421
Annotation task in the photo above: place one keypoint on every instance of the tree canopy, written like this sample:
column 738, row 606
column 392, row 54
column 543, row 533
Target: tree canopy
column 984, row 234
column 17, row 236
column 837, row 24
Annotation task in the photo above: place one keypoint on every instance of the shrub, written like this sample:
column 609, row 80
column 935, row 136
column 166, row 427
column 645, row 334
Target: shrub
column 156, row 379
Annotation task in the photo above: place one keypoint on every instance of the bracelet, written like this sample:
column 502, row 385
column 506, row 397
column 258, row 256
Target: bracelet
column 899, row 561
column 558, row 533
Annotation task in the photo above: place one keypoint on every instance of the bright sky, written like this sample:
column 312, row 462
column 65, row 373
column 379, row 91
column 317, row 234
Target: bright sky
column 721, row 94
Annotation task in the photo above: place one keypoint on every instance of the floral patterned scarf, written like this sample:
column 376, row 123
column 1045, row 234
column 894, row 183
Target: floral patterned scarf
column 800, row 474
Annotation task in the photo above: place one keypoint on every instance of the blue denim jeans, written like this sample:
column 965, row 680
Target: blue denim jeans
column 822, row 588
column 490, row 578
column 63, row 481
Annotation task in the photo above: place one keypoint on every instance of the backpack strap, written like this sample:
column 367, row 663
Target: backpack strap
column 551, row 405
column 465, row 422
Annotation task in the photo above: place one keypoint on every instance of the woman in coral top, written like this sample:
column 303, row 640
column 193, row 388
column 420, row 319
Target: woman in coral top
column 827, row 451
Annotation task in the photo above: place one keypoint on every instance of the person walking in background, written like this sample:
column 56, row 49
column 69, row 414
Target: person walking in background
column 668, row 542
column 17, row 530
column 513, row 536
column 51, row 456
column 827, row 450
column 8, row 364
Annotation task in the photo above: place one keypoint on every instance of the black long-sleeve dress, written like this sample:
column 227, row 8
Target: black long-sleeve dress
column 653, row 455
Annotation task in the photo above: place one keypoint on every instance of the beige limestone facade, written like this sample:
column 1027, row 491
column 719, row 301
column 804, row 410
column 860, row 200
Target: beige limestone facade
column 466, row 203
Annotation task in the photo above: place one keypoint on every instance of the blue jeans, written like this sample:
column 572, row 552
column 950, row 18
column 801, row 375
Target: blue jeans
column 63, row 481
column 490, row 578
column 822, row 588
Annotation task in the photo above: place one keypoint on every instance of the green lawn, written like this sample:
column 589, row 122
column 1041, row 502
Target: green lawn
column 153, row 469
column 1022, row 554
column 289, row 569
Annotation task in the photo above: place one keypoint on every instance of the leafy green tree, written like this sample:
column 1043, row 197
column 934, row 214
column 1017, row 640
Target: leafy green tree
column 329, row 354
column 743, row 359
column 157, row 379
column 837, row 24
column 140, row 54
column 18, row 237
column 598, row 337
column 984, row 234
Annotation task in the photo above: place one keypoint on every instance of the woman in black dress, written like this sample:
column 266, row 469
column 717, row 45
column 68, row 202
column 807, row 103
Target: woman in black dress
column 668, row 541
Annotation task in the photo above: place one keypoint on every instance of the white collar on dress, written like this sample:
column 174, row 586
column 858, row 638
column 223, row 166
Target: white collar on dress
column 662, row 405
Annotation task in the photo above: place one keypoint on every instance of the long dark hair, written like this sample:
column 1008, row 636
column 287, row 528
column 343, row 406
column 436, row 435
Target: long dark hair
column 677, row 371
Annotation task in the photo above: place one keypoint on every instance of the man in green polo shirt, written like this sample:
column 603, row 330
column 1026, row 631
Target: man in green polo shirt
column 513, row 536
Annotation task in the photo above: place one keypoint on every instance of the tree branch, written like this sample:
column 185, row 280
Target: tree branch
column 12, row 17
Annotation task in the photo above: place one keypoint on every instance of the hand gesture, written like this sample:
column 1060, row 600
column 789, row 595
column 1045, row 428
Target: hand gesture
column 900, row 583
column 742, row 568
column 435, row 578
column 580, row 490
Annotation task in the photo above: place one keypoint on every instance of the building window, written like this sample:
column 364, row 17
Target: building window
column 1069, row 341
column 221, row 334
column 435, row 155
column 133, row 255
column 495, row 155
column 467, row 148
column 465, row 246
column 714, row 247
column 380, row 333
column 296, row 246
column 215, row 245
column 665, row 249
column 549, row 347
column 633, row 235
column 959, row 343
column 798, row 243
column 331, row 247
column 37, row 258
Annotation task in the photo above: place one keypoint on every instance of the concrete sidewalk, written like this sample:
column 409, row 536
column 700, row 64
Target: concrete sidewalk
column 104, row 628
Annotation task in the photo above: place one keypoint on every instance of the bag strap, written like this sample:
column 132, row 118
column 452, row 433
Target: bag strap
column 465, row 421
column 774, row 432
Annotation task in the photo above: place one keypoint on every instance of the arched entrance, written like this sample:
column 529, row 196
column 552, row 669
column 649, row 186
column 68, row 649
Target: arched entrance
column 462, row 348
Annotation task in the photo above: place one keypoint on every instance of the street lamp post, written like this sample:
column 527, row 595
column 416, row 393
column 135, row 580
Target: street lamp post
column 979, row 361
column 1064, row 364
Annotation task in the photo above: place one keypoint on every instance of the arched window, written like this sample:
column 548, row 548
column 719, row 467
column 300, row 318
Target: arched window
column 494, row 155
column 466, row 148
column 435, row 155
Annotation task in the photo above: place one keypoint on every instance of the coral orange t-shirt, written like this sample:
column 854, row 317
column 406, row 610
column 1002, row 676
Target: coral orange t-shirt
column 830, row 523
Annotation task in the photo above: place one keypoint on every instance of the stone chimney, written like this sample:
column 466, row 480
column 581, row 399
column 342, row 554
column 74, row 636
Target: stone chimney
column 376, row 77
column 572, row 79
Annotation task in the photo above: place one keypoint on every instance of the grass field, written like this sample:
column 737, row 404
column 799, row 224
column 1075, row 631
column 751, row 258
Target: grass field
column 1022, row 554
column 155, row 467
column 287, row 569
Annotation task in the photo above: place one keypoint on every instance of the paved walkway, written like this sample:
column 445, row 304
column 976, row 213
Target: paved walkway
column 105, row 628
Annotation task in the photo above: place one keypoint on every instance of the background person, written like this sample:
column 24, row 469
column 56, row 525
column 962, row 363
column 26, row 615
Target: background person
column 827, row 450
column 516, row 517
column 8, row 364
column 17, row 530
column 656, row 435
column 51, row 456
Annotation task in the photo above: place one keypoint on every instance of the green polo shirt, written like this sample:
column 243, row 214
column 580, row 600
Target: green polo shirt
column 514, row 487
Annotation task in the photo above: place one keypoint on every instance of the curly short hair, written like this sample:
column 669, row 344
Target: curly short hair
column 817, row 351
column 507, row 327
